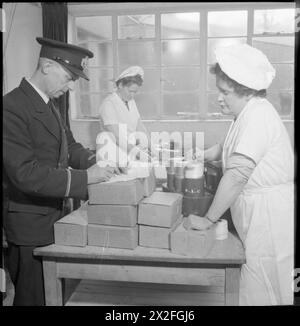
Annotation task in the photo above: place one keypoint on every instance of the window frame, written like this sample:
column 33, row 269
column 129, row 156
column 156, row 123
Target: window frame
column 118, row 9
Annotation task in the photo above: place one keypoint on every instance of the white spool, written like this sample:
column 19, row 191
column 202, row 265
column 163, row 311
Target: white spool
column 222, row 230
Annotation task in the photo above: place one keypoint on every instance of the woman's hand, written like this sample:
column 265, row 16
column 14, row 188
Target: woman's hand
column 197, row 223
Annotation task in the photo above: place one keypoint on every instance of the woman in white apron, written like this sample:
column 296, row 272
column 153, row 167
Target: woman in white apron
column 258, row 176
column 120, row 117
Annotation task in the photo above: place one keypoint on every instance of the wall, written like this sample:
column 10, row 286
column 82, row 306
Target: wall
column 86, row 132
column 22, row 50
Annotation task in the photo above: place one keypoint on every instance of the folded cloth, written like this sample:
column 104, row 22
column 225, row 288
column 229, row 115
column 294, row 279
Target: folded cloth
column 197, row 223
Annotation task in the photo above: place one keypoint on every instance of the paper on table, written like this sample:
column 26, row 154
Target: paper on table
column 135, row 170
column 119, row 178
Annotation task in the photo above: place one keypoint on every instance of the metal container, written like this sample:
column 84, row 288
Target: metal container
column 178, row 184
column 196, row 204
column 213, row 175
column 194, row 186
column 194, row 170
column 171, row 182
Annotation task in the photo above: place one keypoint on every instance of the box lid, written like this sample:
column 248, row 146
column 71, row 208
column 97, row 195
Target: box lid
column 162, row 198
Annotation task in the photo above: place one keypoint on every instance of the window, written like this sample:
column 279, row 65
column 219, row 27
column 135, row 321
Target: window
column 274, row 35
column 175, row 46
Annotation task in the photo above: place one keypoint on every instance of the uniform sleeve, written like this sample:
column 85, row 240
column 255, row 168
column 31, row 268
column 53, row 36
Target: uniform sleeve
column 25, row 171
column 254, row 137
column 108, row 113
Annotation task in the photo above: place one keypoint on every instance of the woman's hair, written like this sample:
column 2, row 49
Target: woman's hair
column 239, row 89
column 128, row 81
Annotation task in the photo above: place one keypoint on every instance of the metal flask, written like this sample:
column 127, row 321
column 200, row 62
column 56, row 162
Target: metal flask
column 194, row 178
column 195, row 199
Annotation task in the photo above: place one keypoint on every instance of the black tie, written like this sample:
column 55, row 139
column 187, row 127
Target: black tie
column 126, row 103
column 63, row 157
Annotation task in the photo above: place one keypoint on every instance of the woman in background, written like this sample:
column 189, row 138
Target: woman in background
column 119, row 110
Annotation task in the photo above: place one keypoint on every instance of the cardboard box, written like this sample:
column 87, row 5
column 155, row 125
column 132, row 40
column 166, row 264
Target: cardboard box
column 113, row 236
column 149, row 184
column 71, row 230
column 155, row 236
column 116, row 193
column 120, row 215
column 192, row 242
column 160, row 209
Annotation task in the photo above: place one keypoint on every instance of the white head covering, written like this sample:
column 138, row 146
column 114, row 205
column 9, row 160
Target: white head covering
column 246, row 65
column 131, row 71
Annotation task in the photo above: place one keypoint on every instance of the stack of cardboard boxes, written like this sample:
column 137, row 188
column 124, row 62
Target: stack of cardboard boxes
column 112, row 214
column 158, row 215
column 71, row 230
column 109, row 218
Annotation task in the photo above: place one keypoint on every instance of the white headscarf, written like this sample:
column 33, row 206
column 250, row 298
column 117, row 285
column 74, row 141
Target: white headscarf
column 131, row 71
column 246, row 65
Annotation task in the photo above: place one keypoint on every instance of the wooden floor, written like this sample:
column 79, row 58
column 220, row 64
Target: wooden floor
column 100, row 293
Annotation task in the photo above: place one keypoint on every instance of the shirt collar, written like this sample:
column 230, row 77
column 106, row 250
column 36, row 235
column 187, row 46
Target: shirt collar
column 41, row 93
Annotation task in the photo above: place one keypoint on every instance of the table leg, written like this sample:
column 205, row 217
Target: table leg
column 232, row 286
column 52, row 284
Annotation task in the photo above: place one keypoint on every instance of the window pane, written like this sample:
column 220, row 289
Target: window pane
column 274, row 21
column 211, row 81
column 183, row 102
column 101, row 80
column 151, row 79
column 180, row 25
column 181, row 79
column 90, row 105
column 93, row 28
column 212, row 101
column 147, row 104
column 181, row 52
column 102, row 53
column 277, row 49
column 214, row 43
column 136, row 26
column 284, row 78
column 227, row 23
column 137, row 53
column 283, row 102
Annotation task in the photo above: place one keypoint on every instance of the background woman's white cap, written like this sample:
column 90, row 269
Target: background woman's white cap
column 246, row 65
column 131, row 71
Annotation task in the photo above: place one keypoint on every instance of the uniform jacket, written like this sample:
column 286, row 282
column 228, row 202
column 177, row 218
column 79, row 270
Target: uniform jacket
column 37, row 151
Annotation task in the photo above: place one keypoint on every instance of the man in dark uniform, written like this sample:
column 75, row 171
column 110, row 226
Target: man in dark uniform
column 38, row 153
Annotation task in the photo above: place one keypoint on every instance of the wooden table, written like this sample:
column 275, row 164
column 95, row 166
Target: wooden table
column 220, row 268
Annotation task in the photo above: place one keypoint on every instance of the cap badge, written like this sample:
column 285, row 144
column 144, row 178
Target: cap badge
column 84, row 62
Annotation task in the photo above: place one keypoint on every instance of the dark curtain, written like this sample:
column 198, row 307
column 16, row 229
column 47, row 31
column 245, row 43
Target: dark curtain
column 55, row 26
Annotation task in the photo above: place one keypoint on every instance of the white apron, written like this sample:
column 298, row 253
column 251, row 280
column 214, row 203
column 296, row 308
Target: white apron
column 113, row 111
column 263, row 214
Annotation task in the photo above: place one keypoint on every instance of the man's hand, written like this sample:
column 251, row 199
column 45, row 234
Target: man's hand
column 98, row 174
